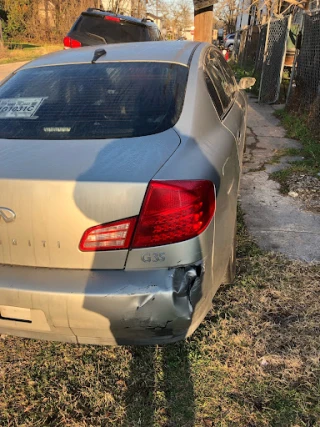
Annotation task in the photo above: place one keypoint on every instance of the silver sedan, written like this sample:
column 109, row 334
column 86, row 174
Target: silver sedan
column 119, row 175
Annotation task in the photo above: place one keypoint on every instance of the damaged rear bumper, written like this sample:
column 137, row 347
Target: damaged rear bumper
column 102, row 307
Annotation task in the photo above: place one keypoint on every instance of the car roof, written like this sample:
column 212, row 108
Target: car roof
column 158, row 51
column 99, row 12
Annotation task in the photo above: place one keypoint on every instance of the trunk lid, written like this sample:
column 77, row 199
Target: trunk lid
column 59, row 189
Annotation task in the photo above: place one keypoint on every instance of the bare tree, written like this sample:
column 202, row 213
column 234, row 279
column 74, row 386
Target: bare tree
column 43, row 20
column 227, row 11
column 117, row 6
column 177, row 15
column 136, row 8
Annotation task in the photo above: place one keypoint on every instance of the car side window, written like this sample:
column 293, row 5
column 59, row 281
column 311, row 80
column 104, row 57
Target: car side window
column 227, row 71
column 213, row 93
column 221, row 78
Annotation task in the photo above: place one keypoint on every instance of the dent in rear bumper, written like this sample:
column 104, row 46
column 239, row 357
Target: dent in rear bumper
column 105, row 307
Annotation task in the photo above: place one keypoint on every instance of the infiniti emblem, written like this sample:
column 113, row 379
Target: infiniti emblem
column 7, row 215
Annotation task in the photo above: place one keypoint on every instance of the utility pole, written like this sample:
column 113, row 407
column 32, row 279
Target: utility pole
column 203, row 20
column 1, row 35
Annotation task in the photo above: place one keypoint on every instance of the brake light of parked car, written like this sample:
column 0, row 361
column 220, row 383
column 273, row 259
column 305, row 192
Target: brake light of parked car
column 174, row 211
column 112, row 18
column 68, row 43
column 115, row 235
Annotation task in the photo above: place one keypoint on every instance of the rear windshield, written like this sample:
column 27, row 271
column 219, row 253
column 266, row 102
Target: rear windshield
column 111, row 32
column 88, row 101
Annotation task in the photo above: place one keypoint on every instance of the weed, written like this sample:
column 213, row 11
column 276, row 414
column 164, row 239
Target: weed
column 297, row 128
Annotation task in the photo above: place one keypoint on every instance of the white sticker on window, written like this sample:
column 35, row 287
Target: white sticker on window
column 56, row 129
column 17, row 108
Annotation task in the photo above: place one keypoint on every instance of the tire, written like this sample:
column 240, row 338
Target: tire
column 230, row 273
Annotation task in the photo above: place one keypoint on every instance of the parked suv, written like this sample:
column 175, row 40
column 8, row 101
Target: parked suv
column 95, row 26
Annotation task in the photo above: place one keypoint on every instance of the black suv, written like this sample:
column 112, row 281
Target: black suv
column 96, row 26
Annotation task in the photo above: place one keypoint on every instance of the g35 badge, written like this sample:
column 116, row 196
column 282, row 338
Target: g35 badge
column 154, row 257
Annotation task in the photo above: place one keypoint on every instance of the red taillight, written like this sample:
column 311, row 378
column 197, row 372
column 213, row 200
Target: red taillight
column 115, row 235
column 112, row 18
column 172, row 212
column 68, row 42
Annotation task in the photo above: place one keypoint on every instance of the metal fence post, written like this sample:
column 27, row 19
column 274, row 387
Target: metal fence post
column 264, row 58
column 293, row 71
column 283, row 58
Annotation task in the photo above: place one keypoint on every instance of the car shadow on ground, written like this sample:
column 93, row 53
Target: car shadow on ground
column 166, row 393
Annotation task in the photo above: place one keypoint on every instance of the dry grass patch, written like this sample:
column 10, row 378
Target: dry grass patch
column 22, row 52
column 253, row 362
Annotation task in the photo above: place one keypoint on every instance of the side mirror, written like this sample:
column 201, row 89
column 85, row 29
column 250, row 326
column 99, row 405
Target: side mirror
column 246, row 82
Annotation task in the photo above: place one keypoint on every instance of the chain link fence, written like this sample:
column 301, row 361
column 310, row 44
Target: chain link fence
column 305, row 94
column 314, row 5
column 273, row 62
column 262, row 48
column 286, row 51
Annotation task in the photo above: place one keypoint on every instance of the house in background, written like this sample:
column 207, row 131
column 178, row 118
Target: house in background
column 251, row 13
column 188, row 33
column 136, row 8
column 158, row 20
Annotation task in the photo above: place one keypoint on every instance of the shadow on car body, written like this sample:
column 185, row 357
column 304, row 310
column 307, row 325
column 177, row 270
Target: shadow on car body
column 176, row 384
column 152, row 306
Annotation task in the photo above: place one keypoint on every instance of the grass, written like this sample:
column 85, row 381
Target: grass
column 284, row 152
column 254, row 361
column 297, row 128
column 21, row 52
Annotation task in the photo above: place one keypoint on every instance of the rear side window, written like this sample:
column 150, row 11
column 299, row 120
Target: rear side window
column 87, row 101
column 111, row 32
column 221, row 77
column 226, row 70
column 213, row 93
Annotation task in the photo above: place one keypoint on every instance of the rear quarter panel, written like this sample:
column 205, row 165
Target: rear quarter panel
column 207, row 151
column 235, row 121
